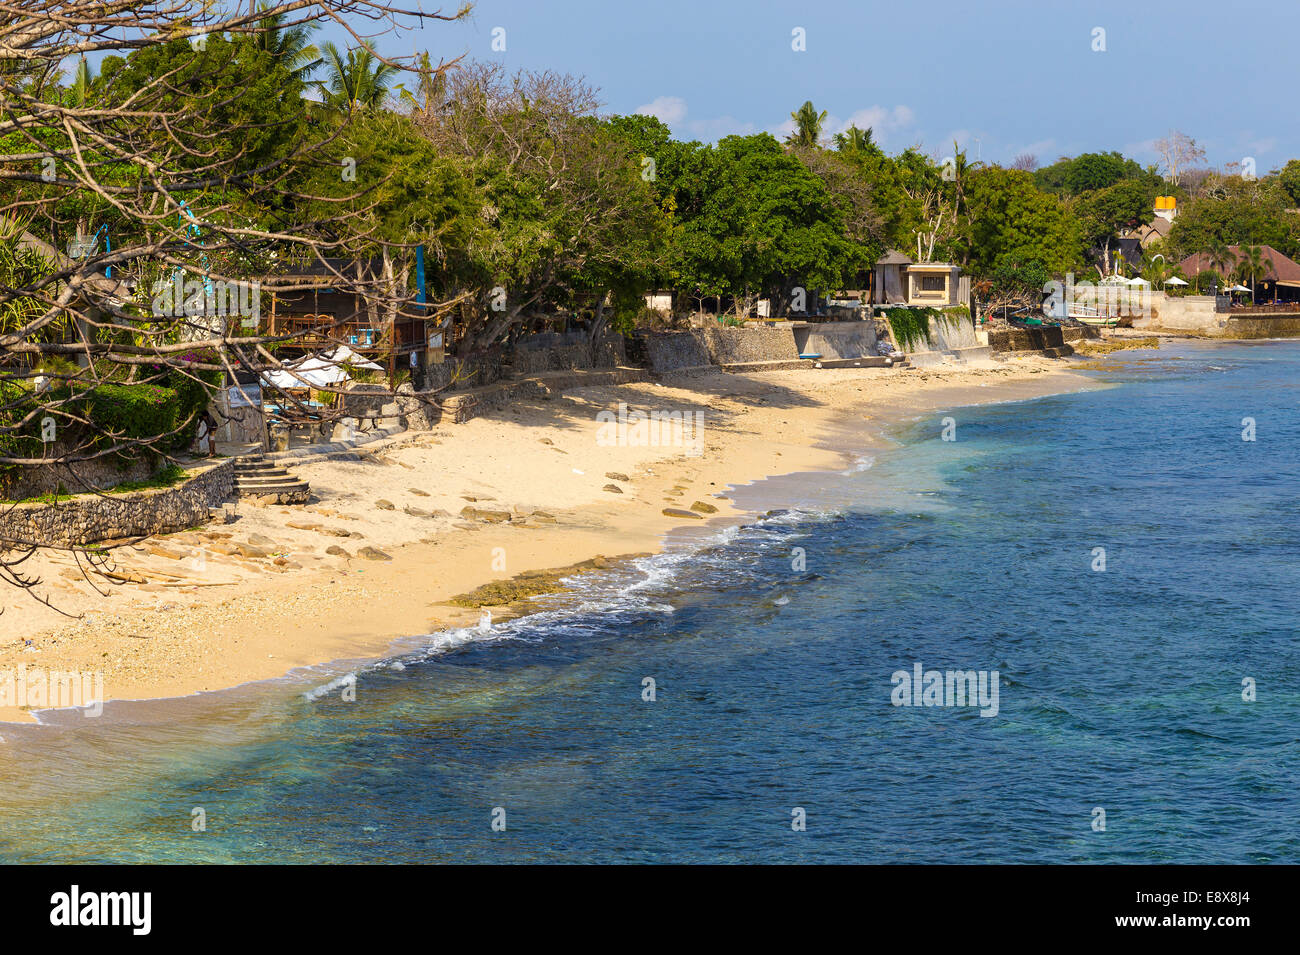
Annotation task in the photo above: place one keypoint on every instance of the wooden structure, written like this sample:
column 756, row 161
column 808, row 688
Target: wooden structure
column 900, row 281
column 344, row 303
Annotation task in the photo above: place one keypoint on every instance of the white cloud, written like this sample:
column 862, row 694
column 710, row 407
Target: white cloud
column 668, row 109
column 881, row 120
column 1146, row 149
column 782, row 130
column 672, row 111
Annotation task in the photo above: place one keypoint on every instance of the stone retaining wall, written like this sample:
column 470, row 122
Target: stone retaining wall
column 98, row 474
column 569, row 352
column 727, row 345
column 1256, row 327
column 1047, row 338
column 666, row 352
column 1077, row 333
column 91, row 518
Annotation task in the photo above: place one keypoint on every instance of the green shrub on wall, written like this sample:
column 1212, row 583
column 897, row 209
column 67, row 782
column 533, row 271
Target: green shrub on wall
column 912, row 325
column 909, row 326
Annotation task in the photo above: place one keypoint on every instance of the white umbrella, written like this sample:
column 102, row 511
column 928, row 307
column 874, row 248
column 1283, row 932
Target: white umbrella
column 343, row 355
column 1175, row 281
column 1138, row 282
column 320, row 371
column 1238, row 288
column 308, row 373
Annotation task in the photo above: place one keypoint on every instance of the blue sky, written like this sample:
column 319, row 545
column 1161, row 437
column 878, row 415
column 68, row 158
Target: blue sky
column 1002, row 77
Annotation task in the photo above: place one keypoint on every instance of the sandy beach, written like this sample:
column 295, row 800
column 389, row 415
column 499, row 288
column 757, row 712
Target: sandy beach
column 287, row 586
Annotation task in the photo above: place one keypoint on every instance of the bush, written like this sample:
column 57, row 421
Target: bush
column 133, row 411
column 165, row 416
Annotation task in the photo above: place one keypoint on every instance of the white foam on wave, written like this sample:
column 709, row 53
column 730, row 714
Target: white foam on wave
column 643, row 586
column 337, row 683
column 863, row 463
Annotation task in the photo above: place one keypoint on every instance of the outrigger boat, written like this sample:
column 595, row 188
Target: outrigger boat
column 1103, row 316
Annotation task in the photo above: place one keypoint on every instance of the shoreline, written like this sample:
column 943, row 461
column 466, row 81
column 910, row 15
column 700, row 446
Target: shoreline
column 240, row 620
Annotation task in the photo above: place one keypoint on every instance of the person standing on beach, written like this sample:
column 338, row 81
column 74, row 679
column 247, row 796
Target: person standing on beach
column 206, row 438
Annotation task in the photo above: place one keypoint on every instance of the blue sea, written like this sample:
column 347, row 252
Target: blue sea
column 1123, row 558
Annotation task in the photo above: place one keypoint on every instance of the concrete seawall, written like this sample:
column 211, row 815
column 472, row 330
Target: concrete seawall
column 712, row 346
column 1195, row 315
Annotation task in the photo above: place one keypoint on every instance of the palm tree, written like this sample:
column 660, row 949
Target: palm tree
column 853, row 140
column 961, row 170
column 287, row 46
column 1253, row 263
column 1155, row 269
column 432, row 88
column 1219, row 255
column 1249, row 263
column 808, row 126
column 1219, row 258
column 359, row 81
column 21, row 265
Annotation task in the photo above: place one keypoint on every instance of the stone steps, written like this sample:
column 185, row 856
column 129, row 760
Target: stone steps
column 255, row 477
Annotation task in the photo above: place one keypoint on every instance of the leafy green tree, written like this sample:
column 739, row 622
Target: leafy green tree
column 853, row 197
column 404, row 195
column 573, row 223
column 1289, row 180
column 1236, row 213
column 1104, row 213
column 1012, row 223
column 899, row 214
column 1087, row 172
column 671, row 167
column 233, row 82
column 930, row 226
column 767, row 225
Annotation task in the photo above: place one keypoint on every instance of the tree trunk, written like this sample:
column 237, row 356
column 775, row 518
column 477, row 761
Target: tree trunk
column 598, row 324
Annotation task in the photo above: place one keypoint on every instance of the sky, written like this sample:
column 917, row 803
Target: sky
column 1002, row 78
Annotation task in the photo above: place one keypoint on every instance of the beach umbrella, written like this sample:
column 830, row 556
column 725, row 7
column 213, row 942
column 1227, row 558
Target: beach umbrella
column 343, row 355
column 1238, row 288
column 308, row 373
column 320, row 371
column 1175, row 281
column 1138, row 281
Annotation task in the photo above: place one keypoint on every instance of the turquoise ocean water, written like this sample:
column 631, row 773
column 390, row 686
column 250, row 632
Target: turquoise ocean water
column 772, row 648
